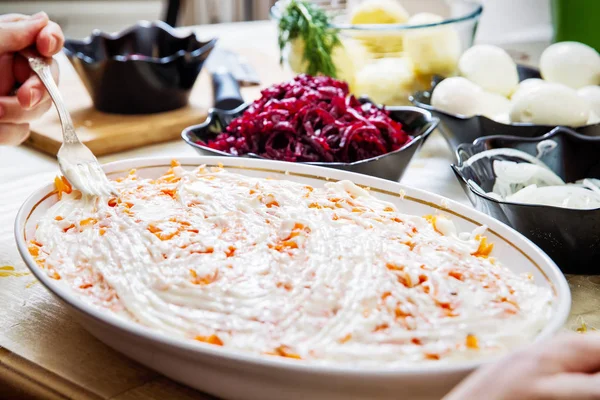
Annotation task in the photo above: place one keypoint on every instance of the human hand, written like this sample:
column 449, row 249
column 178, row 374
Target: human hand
column 31, row 99
column 562, row 368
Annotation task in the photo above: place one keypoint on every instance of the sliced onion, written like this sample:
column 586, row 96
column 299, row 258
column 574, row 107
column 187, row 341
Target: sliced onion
column 567, row 196
column 544, row 147
column 504, row 152
column 590, row 183
column 533, row 182
column 523, row 173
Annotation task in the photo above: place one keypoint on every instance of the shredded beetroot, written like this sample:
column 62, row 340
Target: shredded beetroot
column 311, row 119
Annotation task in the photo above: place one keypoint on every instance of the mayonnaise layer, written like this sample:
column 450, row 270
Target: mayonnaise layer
column 329, row 274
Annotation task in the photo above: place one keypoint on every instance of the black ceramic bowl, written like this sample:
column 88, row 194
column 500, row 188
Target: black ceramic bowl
column 147, row 68
column 459, row 129
column 416, row 122
column 570, row 237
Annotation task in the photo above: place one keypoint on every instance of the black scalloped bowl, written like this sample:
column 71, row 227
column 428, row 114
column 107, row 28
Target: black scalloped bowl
column 570, row 237
column 458, row 129
column 147, row 68
column 416, row 122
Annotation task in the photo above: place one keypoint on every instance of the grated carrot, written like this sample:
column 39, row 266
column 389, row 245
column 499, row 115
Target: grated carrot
column 230, row 251
column 484, row 248
column 88, row 221
column 284, row 351
column 62, row 186
column 472, row 342
column 212, row 339
column 345, row 338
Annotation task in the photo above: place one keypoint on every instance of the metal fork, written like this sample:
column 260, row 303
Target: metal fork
column 77, row 163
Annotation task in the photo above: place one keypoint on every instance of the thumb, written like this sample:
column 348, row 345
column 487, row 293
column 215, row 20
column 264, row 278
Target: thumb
column 19, row 33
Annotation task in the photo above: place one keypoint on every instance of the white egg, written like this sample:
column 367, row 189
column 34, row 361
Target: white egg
column 571, row 63
column 458, row 95
column 550, row 104
column 526, row 85
column 493, row 105
column 502, row 118
column 490, row 67
column 593, row 119
column 434, row 50
column 592, row 95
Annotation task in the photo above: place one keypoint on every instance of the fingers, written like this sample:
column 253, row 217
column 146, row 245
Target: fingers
column 33, row 92
column 572, row 353
column 11, row 111
column 18, row 33
column 13, row 134
column 567, row 387
column 7, row 78
column 21, row 68
column 50, row 40
column 13, row 17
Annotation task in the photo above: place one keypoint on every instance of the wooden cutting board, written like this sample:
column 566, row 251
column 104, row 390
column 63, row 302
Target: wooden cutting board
column 110, row 133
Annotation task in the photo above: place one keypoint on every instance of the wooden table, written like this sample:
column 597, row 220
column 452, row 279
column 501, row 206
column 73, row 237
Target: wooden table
column 45, row 354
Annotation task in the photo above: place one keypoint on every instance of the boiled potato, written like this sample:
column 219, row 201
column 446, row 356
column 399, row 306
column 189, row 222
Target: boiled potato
column 434, row 50
column 386, row 80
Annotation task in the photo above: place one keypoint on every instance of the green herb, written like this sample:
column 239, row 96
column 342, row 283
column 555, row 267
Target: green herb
column 304, row 20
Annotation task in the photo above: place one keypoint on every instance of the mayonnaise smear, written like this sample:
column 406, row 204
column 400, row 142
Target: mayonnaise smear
column 329, row 274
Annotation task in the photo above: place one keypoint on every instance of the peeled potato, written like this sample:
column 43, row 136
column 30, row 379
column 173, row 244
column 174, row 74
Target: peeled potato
column 379, row 43
column 379, row 12
column 386, row 80
column 348, row 58
column 434, row 50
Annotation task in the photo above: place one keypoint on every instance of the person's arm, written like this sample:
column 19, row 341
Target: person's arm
column 30, row 99
column 564, row 368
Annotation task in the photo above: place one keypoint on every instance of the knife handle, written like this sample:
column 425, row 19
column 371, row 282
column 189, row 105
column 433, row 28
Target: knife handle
column 226, row 91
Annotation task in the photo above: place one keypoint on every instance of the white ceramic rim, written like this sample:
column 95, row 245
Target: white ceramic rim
column 552, row 273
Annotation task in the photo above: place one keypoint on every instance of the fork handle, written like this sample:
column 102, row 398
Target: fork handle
column 41, row 66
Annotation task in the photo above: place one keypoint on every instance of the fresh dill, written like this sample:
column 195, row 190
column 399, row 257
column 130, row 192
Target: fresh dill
column 308, row 22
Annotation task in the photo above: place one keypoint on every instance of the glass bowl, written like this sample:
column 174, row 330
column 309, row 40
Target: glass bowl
column 389, row 62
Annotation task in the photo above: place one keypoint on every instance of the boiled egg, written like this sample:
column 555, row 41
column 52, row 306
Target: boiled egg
column 593, row 119
column 550, row 104
column 458, row 95
column 490, row 67
column 571, row 63
column 526, row 85
column 592, row 95
column 494, row 106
